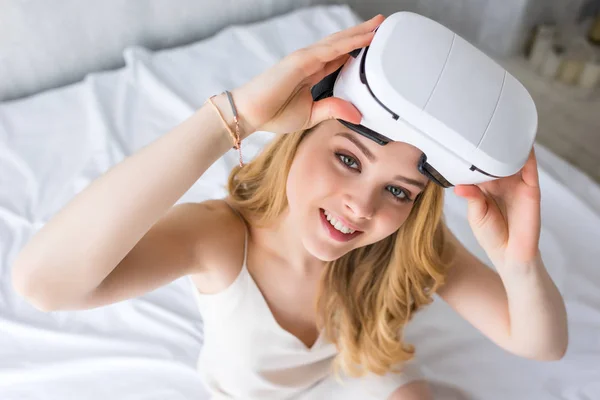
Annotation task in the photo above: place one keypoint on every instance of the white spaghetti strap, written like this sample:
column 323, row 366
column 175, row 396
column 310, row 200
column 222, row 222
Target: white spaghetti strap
column 246, row 232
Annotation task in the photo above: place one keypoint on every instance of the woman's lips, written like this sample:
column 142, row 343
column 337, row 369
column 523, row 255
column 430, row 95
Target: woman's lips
column 334, row 233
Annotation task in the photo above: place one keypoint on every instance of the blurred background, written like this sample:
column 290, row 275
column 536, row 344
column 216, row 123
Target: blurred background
column 47, row 44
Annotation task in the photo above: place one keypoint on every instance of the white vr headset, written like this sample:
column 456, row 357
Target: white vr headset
column 420, row 83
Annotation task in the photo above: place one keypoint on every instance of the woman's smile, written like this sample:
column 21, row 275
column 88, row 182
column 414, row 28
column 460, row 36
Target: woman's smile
column 335, row 233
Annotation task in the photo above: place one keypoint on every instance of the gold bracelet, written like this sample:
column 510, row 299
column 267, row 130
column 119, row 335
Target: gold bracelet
column 237, row 142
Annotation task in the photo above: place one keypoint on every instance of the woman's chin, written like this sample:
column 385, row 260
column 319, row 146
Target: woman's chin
column 323, row 251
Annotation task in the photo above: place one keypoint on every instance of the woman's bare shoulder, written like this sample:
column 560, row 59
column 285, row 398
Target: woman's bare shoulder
column 221, row 246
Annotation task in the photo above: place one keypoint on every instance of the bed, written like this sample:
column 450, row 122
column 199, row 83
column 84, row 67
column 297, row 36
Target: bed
column 54, row 143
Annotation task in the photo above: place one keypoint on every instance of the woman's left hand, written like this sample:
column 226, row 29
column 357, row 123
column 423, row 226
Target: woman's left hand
column 504, row 215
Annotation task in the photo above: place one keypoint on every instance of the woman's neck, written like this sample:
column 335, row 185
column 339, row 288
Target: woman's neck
column 282, row 243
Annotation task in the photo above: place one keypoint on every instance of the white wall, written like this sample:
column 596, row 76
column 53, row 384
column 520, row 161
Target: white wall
column 46, row 44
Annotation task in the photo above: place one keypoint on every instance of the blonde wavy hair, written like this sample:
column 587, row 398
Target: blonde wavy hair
column 368, row 295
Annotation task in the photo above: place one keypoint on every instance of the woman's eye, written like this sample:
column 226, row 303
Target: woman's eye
column 347, row 160
column 399, row 193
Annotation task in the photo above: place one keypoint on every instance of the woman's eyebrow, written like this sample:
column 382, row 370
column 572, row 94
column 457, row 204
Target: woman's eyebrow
column 410, row 181
column 372, row 158
column 358, row 144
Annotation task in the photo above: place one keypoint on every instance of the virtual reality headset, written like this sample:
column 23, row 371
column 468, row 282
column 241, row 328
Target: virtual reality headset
column 420, row 83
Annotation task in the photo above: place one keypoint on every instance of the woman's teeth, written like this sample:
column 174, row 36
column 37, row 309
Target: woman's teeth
column 337, row 224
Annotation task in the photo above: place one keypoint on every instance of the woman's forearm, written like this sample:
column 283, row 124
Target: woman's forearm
column 538, row 318
column 81, row 245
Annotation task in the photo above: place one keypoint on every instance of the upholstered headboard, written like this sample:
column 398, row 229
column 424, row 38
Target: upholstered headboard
column 46, row 44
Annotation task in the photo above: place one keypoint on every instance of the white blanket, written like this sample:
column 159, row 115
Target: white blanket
column 54, row 144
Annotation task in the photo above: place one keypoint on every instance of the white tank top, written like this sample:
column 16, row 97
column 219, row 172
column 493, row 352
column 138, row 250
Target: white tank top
column 246, row 353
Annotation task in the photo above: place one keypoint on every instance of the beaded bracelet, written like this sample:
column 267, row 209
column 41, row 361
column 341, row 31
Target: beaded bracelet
column 237, row 142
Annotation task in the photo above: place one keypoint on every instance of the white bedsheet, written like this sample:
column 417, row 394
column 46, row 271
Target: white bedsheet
column 54, row 144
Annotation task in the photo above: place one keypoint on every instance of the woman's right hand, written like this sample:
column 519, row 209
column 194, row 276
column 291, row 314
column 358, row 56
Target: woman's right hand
column 279, row 100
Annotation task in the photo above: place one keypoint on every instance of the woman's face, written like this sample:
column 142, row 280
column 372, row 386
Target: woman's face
column 339, row 172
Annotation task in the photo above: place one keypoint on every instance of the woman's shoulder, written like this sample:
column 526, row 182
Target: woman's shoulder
column 221, row 247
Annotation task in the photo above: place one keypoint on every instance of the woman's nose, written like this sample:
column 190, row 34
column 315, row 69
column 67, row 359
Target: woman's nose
column 360, row 205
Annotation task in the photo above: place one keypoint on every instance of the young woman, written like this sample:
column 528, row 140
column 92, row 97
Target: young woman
column 324, row 249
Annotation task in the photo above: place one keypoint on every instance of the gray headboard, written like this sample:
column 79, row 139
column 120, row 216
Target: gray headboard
column 46, row 44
